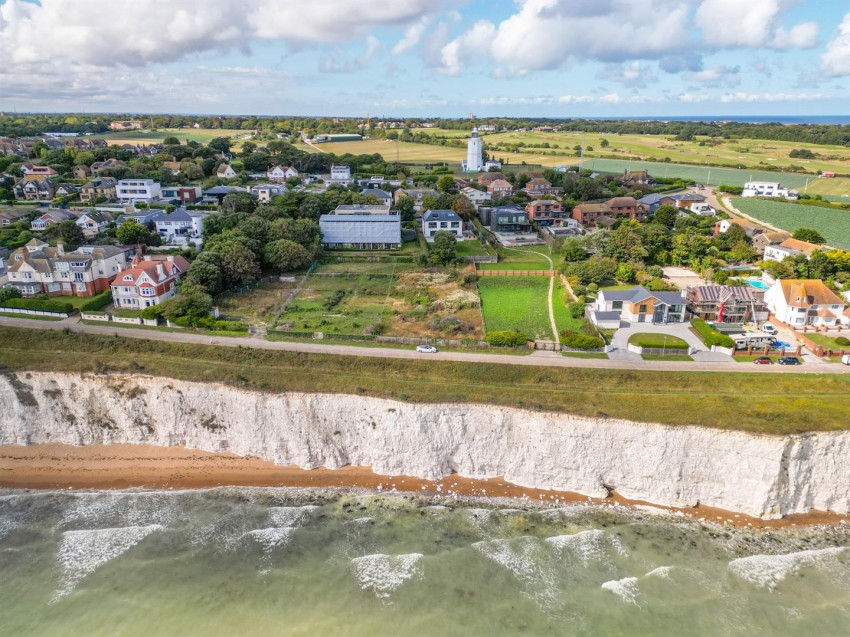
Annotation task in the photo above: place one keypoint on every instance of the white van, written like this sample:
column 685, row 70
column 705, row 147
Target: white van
column 846, row 359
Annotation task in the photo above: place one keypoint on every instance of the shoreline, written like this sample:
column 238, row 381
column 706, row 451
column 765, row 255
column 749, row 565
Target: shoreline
column 126, row 466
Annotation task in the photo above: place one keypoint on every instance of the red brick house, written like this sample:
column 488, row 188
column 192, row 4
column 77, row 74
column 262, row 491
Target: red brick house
column 544, row 211
column 150, row 280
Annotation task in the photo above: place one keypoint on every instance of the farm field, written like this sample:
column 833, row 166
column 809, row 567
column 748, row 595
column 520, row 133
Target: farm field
column 394, row 299
column 834, row 225
column 202, row 135
column 516, row 303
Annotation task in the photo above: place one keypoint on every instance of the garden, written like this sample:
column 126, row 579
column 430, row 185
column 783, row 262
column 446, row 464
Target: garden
column 516, row 304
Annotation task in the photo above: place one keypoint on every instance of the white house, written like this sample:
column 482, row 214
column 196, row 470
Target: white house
column 447, row 220
column 132, row 190
column 181, row 226
column 474, row 161
column 148, row 281
column 94, row 222
column 767, row 189
column 280, row 173
column 340, row 175
column 637, row 305
column 477, row 197
column 225, row 171
column 265, row 192
column 790, row 248
column 703, row 209
column 799, row 302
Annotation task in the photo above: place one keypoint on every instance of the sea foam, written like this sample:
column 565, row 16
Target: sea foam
column 626, row 589
column 383, row 574
column 769, row 570
column 587, row 546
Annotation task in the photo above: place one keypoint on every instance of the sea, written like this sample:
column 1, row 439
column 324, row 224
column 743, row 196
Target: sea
column 266, row 562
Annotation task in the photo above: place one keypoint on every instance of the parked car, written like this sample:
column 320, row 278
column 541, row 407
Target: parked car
column 846, row 359
column 769, row 328
column 789, row 360
column 426, row 349
column 763, row 360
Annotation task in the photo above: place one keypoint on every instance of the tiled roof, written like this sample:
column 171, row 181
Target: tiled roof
column 808, row 292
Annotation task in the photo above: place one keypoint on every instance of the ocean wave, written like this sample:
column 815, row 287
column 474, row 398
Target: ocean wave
column 383, row 574
column 769, row 570
column 81, row 553
column 108, row 509
column 625, row 588
column 290, row 516
column 587, row 546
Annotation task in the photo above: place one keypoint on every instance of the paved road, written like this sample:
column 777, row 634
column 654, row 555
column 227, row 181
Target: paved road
column 538, row 359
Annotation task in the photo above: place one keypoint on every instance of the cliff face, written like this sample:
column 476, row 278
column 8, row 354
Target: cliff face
column 765, row 476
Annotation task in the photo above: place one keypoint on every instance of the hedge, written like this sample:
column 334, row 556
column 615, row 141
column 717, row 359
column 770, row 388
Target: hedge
column 575, row 340
column 711, row 336
column 97, row 302
column 41, row 305
column 209, row 323
column 506, row 338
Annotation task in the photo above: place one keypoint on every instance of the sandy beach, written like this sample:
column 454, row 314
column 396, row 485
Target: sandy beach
column 56, row 466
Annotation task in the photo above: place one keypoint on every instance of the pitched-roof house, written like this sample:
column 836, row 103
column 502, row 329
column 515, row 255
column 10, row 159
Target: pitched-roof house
column 591, row 213
column 790, row 248
column 634, row 177
column 34, row 169
column 799, row 302
column 50, row 218
column 280, row 174
column 433, row 221
column 637, row 305
column 726, row 304
column 98, row 187
column 500, row 187
column 39, row 189
column 148, row 281
column 382, row 195
column 94, row 222
column 82, row 172
column 764, row 239
column 225, row 171
column 100, row 167
column 13, row 215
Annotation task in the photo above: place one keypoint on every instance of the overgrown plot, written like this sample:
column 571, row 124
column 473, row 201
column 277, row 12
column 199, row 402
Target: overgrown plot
column 516, row 303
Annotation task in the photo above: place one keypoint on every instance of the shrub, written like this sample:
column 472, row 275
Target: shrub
column 97, row 302
column 711, row 336
column 732, row 190
column 575, row 340
column 506, row 338
column 576, row 309
column 7, row 293
column 152, row 312
column 209, row 323
column 842, row 340
column 42, row 305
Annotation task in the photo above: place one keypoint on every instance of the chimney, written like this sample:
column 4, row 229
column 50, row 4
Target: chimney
column 60, row 249
column 160, row 271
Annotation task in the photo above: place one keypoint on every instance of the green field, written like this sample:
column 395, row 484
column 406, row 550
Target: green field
column 516, row 303
column 563, row 318
column 515, row 265
column 834, row 225
column 726, row 400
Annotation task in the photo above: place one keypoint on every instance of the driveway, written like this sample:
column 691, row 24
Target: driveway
column 620, row 341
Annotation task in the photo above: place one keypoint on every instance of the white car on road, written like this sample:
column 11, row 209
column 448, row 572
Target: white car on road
column 426, row 349
column 769, row 328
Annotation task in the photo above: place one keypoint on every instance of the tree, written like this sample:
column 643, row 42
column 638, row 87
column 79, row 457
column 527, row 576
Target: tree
column 406, row 209
column 447, row 184
column 238, row 263
column 809, row 234
column 205, row 273
column 463, row 207
column 192, row 305
column 238, row 202
column 68, row 232
column 304, row 232
column 7, row 293
column 131, row 232
column 220, row 144
column 625, row 244
column 171, row 141
column 444, row 248
column 625, row 273
column 603, row 143
column 742, row 252
column 191, row 170
column 594, row 270
column 285, row 255
column 666, row 215
column 573, row 251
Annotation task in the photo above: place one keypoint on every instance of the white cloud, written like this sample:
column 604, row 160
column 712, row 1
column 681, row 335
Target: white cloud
column 716, row 75
column 751, row 24
column 412, row 36
column 770, row 97
column 634, row 73
column 336, row 65
column 472, row 44
column 836, row 60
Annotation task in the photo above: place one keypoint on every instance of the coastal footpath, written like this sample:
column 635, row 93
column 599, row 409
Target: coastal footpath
column 761, row 475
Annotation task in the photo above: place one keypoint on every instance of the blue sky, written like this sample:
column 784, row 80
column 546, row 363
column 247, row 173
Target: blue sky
column 558, row 58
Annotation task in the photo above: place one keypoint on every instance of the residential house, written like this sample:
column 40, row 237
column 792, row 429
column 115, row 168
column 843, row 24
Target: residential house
column 340, row 175
column 181, row 194
column 265, row 192
column 143, row 217
column 726, row 304
column 416, row 194
column 4, row 255
column 225, row 171
column 637, row 177
column 40, row 269
column 488, row 178
column 655, row 200
column 765, row 239
column 687, row 199
column 98, row 187
column 592, row 213
column 637, row 305
column 280, row 174
column 362, row 227
column 148, row 281
column 477, row 197
column 433, row 221
column 126, row 124
column 82, row 172
column 173, row 166
column 500, row 188
column 540, row 187
column 587, row 214
column 723, row 225
column 133, row 190
column 790, row 248
column 181, row 226
column 66, row 190
column 567, row 228
column 94, row 222
column 800, row 302
column 492, row 164
column 36, row 170
column 544, row 212
column 702, row 209
column 505, row 219
column 382, row 195
column 9, row 216
column 767, row 189
column 216, row 194
column 35, row 189
column 50, row 218
column 100, row 167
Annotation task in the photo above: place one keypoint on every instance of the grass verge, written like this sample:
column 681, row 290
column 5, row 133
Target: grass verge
column 789, row 403
column 34, row 317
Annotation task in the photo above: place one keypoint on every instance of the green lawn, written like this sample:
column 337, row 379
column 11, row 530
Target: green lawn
column 202, row 135
column 598, row 355
column 789, row 403
column 515, row 265
column 652, row 340
column 563, row 318
column 827, row 342
column 473, row 248
column 516, row 303
column 834, row 225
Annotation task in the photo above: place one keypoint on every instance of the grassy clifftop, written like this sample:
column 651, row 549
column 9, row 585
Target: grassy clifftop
column 776, row 404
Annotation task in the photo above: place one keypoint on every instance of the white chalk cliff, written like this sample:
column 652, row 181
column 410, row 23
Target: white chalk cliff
column 760, row 475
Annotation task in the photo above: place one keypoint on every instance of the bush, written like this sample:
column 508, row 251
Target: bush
column 97, row 302
column 209, row 323
column 576, row 309
column 711, row 336
column 7, row 293
column 42, row 305
column 575, row 340
column 506, row 338
column 152, row 312
column 842, row 340
column 732, row 190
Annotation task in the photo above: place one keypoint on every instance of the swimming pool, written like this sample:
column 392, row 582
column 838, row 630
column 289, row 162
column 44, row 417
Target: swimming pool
column 757, row 284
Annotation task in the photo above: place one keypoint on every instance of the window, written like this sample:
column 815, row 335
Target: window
column 129, row 277
column 617, row 305
column 642, row 309
column 148, row 292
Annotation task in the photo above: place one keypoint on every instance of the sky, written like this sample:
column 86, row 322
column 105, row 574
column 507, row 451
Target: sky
column 427, row 58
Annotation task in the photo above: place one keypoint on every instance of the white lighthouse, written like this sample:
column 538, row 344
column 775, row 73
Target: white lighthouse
column 474, row 160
